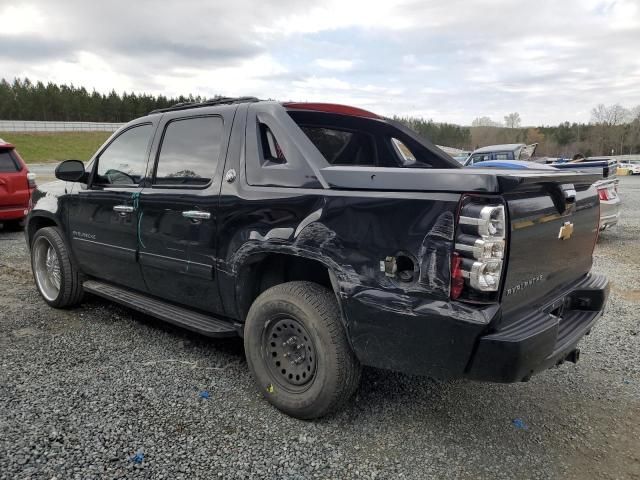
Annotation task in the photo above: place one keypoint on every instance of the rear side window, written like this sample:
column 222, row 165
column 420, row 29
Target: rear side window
column 190, row 151
column 342, row 147
column 124, row 161
column 271, row 151
column 7, row 163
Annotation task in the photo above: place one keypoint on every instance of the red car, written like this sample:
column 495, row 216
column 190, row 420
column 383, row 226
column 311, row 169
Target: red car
column 16, row 185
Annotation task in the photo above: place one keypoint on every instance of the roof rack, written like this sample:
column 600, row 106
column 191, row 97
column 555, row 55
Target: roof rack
column 206, row 103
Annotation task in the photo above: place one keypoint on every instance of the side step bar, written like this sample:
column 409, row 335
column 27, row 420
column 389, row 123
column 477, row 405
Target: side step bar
column 197, row 322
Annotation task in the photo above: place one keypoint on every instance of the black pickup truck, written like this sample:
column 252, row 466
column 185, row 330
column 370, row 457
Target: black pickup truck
column 328, row 238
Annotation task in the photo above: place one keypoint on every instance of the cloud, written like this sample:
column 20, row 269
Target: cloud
column 451, row 61
column 21, row 19
column 333, row 64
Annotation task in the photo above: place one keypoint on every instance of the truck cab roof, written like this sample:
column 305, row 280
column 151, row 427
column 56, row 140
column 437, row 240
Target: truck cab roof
column 500, row 148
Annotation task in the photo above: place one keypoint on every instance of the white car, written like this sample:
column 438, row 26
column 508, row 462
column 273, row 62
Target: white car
column 634, row 168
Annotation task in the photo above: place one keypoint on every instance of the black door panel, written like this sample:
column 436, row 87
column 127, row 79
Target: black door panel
column 103, row 217
column 179, row 209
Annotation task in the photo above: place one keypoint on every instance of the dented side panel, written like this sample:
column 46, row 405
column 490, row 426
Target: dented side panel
column 351, row 233
column 387, row 319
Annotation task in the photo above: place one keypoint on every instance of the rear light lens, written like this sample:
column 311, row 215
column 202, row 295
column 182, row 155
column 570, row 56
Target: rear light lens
column 602, row 194
column 488, row 220
column 485, row 276
column 31, row 179
column 480, row 249
column 457, row 278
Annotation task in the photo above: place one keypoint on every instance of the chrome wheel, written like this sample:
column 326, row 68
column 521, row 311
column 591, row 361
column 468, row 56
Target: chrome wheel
column 46, row 268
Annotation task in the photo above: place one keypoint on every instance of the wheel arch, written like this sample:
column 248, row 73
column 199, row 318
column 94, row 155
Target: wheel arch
column 38, row 220
column 263, row 270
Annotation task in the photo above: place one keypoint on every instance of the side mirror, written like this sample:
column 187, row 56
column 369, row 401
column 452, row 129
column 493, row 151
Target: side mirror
column 71, row 171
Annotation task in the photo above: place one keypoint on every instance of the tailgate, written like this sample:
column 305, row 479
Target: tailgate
column 554, row 226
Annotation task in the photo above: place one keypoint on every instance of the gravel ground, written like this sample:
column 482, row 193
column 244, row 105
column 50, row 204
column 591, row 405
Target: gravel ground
column 102, row 392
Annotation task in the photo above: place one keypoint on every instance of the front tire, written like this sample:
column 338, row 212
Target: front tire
column 297, row 350
column 57, row 279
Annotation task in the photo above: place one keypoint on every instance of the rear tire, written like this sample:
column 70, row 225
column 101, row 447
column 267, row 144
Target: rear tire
column 297, row 350
column 57, row 278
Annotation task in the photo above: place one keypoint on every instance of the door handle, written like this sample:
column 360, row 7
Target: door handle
column 196, row 215
column 123, row 209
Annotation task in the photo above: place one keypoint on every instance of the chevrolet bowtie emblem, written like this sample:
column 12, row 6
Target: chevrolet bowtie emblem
column 565, row 231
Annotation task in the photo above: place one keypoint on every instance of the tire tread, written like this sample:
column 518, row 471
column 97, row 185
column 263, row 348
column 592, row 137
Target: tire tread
column 71, row 292
column 325, row 306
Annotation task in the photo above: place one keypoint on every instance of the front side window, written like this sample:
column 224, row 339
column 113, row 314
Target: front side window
column 124, row 161
column 7, row 164
column 190, row 151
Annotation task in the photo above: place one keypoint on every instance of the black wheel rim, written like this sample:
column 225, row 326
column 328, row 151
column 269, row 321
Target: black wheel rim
column 289, row 353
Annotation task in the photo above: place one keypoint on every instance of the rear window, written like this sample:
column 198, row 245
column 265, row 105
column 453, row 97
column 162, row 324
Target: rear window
column 342, row 147
column 365, row 142
column 7, row 163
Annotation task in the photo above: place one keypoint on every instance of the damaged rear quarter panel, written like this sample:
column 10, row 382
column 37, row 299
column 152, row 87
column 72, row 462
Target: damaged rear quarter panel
column 350, row 233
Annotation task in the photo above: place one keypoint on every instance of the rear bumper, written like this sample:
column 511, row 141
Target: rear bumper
column 13, row 212
column 541, row 339
column 446, row 339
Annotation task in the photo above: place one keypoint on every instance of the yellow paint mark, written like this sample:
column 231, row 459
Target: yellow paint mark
column 522, row 224
column 270, row 388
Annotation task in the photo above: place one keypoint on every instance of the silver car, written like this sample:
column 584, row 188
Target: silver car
column 609, row 202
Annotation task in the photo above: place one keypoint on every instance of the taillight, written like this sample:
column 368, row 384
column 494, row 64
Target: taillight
column 480, row 247
column 457, row 279
column 31, row 179
column 603, row 194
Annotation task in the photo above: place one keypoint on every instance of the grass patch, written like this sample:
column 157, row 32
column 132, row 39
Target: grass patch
column 43, row 147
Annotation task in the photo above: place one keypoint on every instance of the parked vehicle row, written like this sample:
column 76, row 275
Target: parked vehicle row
column 632, row 167
column 510, row 151
column 511, row 156
column 329, row 238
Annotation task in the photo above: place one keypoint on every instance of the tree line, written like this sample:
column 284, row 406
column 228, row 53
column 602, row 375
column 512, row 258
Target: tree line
column 613, row 129
column 25, row 100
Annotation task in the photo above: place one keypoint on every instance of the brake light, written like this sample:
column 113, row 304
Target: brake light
column 480, row 248
column 603, row 194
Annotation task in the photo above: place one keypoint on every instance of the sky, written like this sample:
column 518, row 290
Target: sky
column 451, row 61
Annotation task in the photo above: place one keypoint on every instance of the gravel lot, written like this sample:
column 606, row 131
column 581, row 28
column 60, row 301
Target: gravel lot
column 83, row 391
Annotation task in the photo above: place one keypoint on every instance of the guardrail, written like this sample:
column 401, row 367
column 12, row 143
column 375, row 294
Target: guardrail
column 36, row 126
